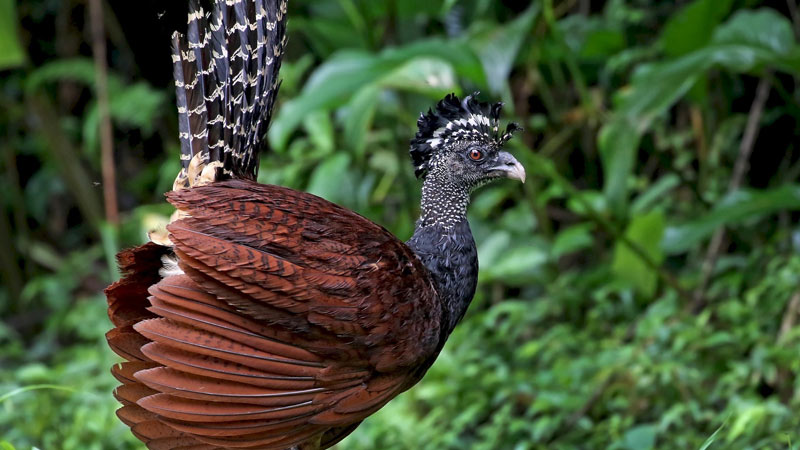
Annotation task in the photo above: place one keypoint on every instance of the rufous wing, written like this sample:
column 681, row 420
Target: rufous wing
column 293, row 321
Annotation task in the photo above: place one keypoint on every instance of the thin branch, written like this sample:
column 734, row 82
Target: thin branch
column 795, row 16
column 9, row 263
column 591, row 401
column 739, row 170
column 789, row 317
column 44, row 121
column 106, row 136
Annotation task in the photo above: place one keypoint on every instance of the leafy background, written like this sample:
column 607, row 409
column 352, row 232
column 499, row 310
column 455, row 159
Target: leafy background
column 640, row 291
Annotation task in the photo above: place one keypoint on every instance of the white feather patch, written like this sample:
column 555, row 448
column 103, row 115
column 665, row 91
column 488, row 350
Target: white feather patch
column 170, row 266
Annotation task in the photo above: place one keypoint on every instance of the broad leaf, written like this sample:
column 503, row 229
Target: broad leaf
column 645, row 232
column 336, row 81
column 692, row 27
column 734, row 209
column 747, row 42
column 497, row 47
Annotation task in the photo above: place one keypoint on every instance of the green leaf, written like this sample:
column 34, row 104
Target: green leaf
column 329, row 85
column 72, row 69
column 738, row 207
column 618, row 143
column 748, row 416
column 330, row 181
column 518, row 265
column 136, row 106
column 748, row 41
column 514, row 262
column 692, row 27
column 11, row 51
column 360, row 112
column 713, row 436
column 646, row 231
column 335, row 81
column 642, row 437
column 497, row 47
column 655, row 193
column 75, row 69
column 763, row 29
column 319, row 127
column 427, row 75
column 574, row 238
column 591, row 38
column 292, row 74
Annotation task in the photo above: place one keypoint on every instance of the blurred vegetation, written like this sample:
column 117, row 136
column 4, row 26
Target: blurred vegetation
column 640, row 291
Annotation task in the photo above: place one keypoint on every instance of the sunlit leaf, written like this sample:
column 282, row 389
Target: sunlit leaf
column 334, row 82
column 427, row 75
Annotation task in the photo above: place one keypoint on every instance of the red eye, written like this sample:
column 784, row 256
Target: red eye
column 475, row 154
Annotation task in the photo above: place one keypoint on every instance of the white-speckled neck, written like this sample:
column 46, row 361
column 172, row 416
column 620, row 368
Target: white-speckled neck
column 443, row 203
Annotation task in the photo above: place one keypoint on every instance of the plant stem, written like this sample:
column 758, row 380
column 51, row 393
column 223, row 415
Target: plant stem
column 569, row 57
column 46, row 122
column 739, row 170
column 106, row 136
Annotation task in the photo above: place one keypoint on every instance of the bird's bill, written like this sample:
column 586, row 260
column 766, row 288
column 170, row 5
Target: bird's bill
column 509, row 167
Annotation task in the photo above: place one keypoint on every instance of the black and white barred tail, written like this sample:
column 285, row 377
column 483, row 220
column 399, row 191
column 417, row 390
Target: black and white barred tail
column 226, row 80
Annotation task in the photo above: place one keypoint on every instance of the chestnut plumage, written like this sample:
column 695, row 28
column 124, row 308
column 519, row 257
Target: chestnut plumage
column 269, row 318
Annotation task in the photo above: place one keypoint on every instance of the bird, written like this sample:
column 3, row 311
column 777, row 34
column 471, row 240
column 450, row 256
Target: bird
column 263, row 317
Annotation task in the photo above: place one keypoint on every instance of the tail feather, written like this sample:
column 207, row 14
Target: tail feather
column 226, row 77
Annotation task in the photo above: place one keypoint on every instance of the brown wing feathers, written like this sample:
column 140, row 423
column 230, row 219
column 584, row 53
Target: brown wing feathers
column 280, row 331
column 265, row 227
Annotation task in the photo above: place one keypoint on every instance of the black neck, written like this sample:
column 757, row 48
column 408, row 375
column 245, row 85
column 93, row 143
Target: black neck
column 444, row 243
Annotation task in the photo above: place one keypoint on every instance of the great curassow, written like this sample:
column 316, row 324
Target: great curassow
column 270, row 318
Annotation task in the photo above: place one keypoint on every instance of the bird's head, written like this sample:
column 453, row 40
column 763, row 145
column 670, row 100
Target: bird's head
column 460, row 143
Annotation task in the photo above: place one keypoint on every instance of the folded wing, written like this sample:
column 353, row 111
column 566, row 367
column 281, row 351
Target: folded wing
column 294, row 320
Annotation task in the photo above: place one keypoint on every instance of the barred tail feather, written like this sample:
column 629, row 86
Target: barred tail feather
column 226, row 79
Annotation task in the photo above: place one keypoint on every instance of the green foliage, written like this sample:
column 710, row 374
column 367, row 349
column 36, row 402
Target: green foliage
column 132, row 106
column 594, row 325
column 11, row 52
column 645, row 231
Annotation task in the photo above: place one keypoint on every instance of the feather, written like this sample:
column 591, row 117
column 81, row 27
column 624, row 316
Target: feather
column 226, row 79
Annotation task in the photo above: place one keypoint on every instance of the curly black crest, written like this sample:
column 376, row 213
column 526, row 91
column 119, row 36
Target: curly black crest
column 456, row 120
